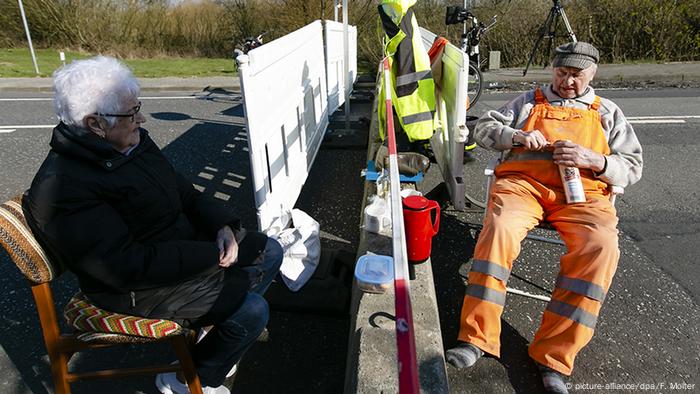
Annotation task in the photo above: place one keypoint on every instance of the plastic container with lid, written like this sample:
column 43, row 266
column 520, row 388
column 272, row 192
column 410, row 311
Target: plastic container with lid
column 374, row 273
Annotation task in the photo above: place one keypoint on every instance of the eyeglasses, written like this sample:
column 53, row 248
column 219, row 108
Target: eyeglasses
column 131, row 115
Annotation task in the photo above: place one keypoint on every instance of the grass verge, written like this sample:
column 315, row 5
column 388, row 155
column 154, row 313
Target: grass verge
column 17, row 62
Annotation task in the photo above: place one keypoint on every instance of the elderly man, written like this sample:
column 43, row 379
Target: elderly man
column 564, row 124
column 141, row 239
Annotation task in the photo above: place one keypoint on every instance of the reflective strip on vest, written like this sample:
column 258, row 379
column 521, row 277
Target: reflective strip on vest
column 413, row 77
column 573, row 313
column 488, row 268
column 415, row 118
column 582, row 287
column 406, row 59
column 486, row 294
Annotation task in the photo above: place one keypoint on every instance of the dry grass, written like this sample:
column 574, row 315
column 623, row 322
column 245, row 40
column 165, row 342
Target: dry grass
column 624, row 30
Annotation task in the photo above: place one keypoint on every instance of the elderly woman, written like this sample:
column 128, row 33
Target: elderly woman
column 108, row 205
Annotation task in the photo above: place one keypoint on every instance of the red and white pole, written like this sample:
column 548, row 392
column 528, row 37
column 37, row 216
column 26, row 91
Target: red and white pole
column 405, row 337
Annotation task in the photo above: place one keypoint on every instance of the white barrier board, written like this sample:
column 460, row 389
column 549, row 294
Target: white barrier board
column 335, row 62
column 286, row 109
column 451, row 106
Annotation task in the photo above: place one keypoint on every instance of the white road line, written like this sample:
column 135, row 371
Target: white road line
column 29, row 126
column 26, row 99
column 664, row 117
column 170, row 97
column 140, row 98
column 6, row 131
column 656, row 121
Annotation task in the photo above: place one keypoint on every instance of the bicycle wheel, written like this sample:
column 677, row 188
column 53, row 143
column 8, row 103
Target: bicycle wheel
column 474, row 84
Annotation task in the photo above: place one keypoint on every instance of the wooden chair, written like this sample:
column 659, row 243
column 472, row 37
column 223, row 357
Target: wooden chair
column 94, row 327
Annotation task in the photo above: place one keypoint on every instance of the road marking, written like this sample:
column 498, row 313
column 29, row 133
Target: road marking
column 26, row 99
column 169, row 97
column 661, row 119
column 664, row 117
column 140, row 98
column 7, row 131
column 30, row 126
column 656, row 121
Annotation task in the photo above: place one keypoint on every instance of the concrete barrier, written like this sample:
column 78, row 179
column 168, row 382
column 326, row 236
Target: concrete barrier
column 372, row 357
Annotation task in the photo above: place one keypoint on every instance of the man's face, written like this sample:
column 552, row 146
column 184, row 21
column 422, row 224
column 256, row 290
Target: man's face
column 570, row 82
column 125, row 133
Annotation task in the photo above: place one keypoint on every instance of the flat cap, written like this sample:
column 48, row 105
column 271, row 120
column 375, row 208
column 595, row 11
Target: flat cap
column 579, row 55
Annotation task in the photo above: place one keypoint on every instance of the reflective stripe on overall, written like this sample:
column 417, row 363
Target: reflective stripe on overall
column 528, row 189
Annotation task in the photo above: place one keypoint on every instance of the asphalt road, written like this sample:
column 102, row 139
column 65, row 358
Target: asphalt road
column 656, row 293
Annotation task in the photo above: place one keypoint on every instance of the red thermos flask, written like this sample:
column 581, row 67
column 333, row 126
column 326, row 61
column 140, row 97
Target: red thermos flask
column 420, row 226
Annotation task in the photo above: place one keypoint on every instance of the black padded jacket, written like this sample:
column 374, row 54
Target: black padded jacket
column 132, row 229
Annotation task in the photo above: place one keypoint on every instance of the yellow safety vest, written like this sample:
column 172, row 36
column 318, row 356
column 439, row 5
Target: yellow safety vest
column 413, row 88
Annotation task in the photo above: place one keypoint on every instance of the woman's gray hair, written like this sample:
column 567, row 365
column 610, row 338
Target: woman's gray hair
column 99, row 84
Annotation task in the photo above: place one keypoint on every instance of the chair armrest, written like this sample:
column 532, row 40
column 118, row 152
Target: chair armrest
column 617, row 189
column 614, row 191
column 490, row 173
column 491, row 166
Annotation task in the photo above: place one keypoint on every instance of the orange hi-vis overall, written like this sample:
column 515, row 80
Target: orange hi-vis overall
column 528, row 189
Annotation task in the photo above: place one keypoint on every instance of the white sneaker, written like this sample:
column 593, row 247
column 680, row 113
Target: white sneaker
column 230, row 373
column 167, row 383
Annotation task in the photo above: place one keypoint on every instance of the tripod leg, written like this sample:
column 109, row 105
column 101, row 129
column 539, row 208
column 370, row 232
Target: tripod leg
column 544, row 30
column 552, row 35
column 566, row 23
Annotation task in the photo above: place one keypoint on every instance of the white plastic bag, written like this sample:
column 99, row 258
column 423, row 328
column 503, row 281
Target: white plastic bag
column 302, row 249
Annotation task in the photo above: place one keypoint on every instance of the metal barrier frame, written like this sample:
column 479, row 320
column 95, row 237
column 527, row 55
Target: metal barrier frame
column 286, row 111
column 335, row 81
column 451, row 107
column 285, row 86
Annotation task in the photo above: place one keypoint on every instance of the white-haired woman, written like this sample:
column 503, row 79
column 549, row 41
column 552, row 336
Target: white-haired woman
column 139, row 237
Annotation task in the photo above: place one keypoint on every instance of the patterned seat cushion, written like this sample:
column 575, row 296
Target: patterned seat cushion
column 21, row 245
column 82, row 315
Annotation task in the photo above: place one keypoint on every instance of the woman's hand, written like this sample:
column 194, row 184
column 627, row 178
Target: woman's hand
column 531, row 140
column 228, row 248
column 571, row 154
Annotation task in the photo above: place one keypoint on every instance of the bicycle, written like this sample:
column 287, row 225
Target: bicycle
column 249, row 44
column 470, row 39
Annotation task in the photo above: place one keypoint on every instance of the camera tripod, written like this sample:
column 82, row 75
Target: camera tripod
column 549, row 29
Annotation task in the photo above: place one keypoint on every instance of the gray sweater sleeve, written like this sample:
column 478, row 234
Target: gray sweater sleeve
column 495, row 128
column 624, row 164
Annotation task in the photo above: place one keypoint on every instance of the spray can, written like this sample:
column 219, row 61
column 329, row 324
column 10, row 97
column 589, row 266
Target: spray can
column 573, row 188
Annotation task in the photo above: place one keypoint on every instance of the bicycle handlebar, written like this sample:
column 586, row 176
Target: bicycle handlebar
column 484, row 28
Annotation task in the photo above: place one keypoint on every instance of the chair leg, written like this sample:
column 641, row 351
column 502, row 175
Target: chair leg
column 59, row 372
column 182, row 350
column 52, row 337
